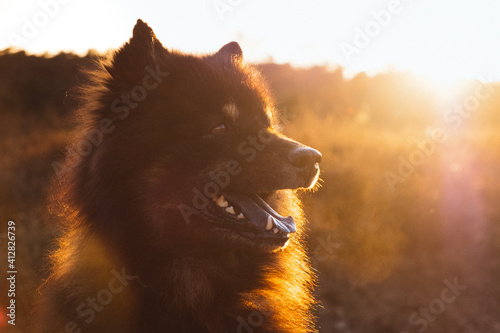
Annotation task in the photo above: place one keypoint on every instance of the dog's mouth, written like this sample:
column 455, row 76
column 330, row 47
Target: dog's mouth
column 251, row 215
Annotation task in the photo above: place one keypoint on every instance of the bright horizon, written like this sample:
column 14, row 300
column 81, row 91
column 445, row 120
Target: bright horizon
column 444, row 41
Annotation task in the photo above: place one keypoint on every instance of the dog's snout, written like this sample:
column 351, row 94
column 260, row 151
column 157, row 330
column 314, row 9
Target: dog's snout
column 304, row 157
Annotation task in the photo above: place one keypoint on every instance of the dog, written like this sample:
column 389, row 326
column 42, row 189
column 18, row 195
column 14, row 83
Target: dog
column 178, row 200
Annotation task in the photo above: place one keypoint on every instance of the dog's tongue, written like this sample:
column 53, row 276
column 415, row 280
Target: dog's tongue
column 257, row 211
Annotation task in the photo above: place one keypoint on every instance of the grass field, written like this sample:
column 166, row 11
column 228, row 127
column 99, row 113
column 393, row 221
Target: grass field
column 404, row 231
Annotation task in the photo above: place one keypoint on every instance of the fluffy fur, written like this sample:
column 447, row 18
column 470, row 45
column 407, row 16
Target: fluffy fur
column 137, row 255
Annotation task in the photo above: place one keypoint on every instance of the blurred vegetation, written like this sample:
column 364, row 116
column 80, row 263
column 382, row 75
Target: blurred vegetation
column 382, row 252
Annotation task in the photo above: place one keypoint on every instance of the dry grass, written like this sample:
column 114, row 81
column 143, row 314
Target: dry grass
column 382, row 254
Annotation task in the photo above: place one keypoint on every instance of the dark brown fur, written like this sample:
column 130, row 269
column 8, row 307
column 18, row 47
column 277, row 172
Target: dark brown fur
column 119, row 194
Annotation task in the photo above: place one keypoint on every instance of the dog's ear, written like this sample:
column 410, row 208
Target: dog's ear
column 142, row 35
column 229, row 53
column 133, row 58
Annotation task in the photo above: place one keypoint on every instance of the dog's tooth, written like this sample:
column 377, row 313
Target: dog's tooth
column 221, row 202
column 240, row 216
column 275, row 230
column 230, row 210
column 270, row 223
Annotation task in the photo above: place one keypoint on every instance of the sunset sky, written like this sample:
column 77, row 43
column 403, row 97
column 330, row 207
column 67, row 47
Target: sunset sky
column 444, row 40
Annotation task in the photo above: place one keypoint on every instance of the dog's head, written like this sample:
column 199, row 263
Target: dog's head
column 193, row 144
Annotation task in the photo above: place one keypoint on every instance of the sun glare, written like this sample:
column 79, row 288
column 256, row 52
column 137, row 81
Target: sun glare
column 446, row 87
column 446, row 84
column 353, row 35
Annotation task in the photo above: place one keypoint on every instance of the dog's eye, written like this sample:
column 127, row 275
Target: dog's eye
column 221, row 129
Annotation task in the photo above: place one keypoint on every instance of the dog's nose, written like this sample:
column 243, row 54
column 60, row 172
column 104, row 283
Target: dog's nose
column 304, row 157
